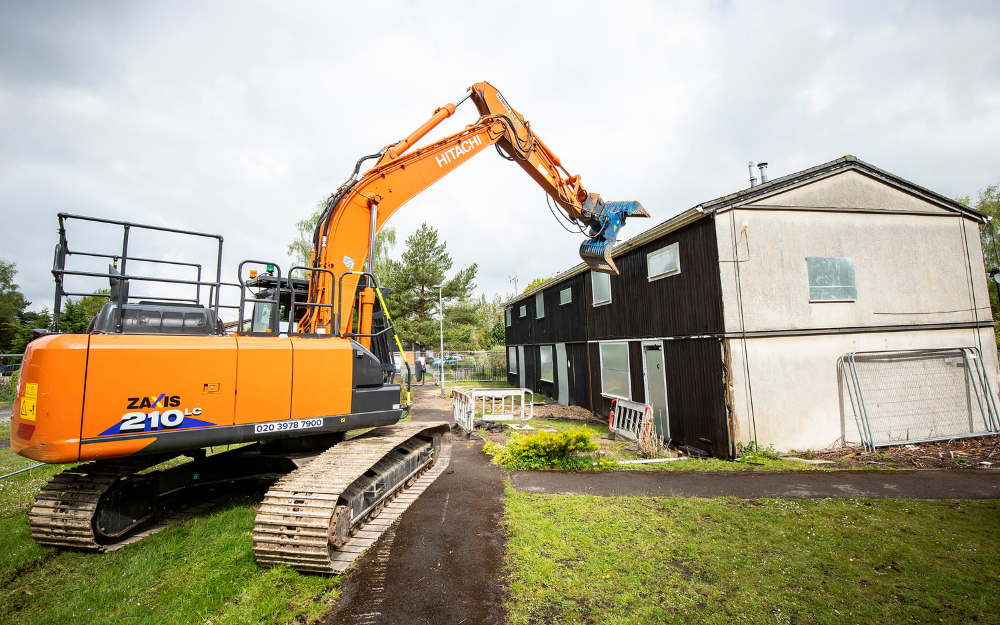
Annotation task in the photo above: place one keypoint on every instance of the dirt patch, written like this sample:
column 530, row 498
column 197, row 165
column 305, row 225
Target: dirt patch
column 982, row 452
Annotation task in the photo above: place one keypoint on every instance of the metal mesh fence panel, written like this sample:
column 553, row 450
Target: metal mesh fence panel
column 478, row 366
column 10, row 364
column 910, row 396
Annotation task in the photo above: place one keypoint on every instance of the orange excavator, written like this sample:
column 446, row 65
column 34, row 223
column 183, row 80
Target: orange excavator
column 160, row 378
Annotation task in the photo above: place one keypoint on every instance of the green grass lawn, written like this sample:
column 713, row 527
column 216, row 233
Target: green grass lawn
column 198, row 570
column 674, row 560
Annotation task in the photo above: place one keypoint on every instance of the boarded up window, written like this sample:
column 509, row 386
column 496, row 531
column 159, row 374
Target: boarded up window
column 539, row 305
column 565, row 296
column 601, row 284
column 615, row 370
column 831, row 279
column 512, row 360
column 546, row 355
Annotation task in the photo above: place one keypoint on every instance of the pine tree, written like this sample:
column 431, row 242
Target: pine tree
column 413, row 303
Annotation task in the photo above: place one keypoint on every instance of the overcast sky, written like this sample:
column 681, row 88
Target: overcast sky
column 237, row 118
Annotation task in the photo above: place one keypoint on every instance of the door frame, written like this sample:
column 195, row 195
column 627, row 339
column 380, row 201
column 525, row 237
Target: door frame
column 645, row 379
column 562, row 375
column 521, row 366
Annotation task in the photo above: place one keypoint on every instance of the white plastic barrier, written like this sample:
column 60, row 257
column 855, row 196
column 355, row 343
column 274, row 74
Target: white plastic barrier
column 501, row 403
column 628, row 418
column 463, row 410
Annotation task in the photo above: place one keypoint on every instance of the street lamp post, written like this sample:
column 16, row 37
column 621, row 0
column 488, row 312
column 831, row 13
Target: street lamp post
column 441, row 317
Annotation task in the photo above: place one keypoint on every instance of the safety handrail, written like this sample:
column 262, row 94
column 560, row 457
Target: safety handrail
column 307, row 304
column 275, row 302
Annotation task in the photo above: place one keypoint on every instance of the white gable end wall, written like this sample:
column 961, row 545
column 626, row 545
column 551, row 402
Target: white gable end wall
column 911, row 270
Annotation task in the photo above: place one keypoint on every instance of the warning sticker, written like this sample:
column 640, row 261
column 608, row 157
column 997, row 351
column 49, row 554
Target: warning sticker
column 29, row 401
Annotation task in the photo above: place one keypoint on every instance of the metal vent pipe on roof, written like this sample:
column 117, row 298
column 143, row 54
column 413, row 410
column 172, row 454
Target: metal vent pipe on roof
column 753, row 178
column 763, row 173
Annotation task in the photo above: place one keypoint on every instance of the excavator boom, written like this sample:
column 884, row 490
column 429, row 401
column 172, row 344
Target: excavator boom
column 361, row 207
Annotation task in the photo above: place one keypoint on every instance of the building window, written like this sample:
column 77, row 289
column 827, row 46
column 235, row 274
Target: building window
column 663, row 263
column 601, row 285
column 615, row 377
column 512, row 360
column 565, row 296
column 523, row 311
column 546, row 354
column 539, row 305
column 507, row 315
column 831, row 279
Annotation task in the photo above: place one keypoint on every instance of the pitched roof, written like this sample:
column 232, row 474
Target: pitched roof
column 844, row 163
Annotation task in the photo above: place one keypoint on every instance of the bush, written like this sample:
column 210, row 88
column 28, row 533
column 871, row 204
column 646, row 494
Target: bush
column 543, row 450
column 753, row 450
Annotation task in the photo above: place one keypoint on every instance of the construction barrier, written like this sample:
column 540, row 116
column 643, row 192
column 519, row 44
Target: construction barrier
column 500, row 406
column 627, row 418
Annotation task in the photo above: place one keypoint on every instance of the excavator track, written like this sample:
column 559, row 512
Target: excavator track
column 314, row 519
column 63, row 511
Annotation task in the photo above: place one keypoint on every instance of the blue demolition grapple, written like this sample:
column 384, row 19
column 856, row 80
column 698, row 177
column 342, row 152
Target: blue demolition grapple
column 605, row 219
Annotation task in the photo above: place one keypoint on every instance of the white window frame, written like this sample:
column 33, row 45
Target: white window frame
column 569, row 298
column 594, row 291
column 664, row 250
column 541, row 364
column 512, row 360
column 628, row 361
column 507, row 315
column 522, row 311
column 539, row 304
column 833, row 301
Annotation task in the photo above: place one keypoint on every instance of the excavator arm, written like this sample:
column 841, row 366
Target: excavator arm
column 346, row 230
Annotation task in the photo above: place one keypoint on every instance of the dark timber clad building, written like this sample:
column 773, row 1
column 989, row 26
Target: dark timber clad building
column 716, row 320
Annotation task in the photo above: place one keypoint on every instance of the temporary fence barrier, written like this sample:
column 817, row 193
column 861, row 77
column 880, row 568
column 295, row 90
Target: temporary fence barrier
column 920, row 395
column 10, row 364
column 627, row 418
column 475, row 366
column 502, row 403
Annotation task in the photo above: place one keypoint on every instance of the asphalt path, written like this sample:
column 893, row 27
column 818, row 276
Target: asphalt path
column 915, row 484
column 442, row 562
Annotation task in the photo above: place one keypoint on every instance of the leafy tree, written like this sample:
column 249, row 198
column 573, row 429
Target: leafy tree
column 535, row 283
column 301, row 248
column 490, row 326
column 12, row 305
column 988, row 203
column 28, row 321
column 413, row 303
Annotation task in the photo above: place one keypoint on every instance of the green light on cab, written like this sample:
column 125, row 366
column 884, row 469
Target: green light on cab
column 270, row 267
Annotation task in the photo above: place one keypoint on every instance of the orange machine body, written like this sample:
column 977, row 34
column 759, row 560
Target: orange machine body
column 106, row 395
column 85, row 397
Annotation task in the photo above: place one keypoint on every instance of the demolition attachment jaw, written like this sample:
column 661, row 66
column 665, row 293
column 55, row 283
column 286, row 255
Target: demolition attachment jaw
column 605, row 220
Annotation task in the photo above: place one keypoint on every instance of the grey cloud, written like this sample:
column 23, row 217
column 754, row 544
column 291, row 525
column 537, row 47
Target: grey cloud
column 237, row 118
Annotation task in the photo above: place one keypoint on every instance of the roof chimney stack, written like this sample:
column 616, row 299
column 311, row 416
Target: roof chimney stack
column 763, row 174
column 753, row 179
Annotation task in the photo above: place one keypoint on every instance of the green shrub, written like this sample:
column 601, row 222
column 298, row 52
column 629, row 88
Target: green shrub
column 753, row 450
column 543, row 450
